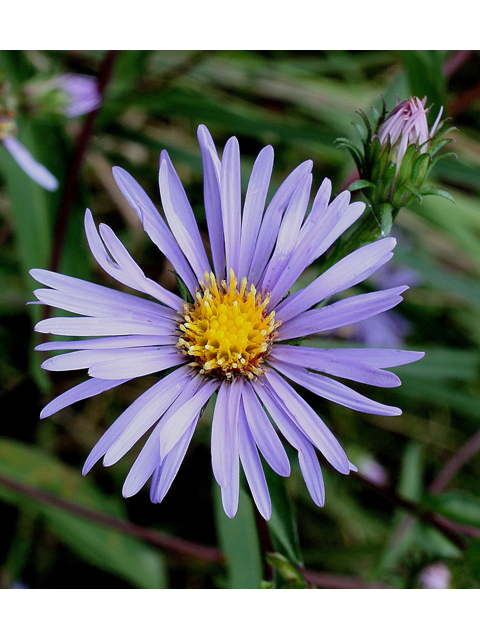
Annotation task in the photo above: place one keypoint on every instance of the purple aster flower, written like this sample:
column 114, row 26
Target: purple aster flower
column 81, row 91
column 435, row 576
column 24, row 158
column 231, row 338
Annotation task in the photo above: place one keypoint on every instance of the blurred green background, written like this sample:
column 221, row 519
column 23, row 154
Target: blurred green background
column 300, row 102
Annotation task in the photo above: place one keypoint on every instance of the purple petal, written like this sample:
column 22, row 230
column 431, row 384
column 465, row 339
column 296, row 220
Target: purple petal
column 231, row 199
column 136, row 365
column 288, row 234
column 382, row 358
column 225, row 433
column 179, row 422
column 271, row 221
column 307, row 421
column 155, row 226
column 129, row 273
column 27, row 162
column 122, row 422
column 101, row 327
column 340, row 313
column 253, row 208
column 88, row 291
column 211, row 192
column 334, row 390
column 114, row 342
column 326, row 361
column 252, row 467
column 86, row 389
column 172, row 461
column 263, row 433
column 186, row 236
column 143, row 467
column 151, row 409
column 312, row 473
column 349, row 271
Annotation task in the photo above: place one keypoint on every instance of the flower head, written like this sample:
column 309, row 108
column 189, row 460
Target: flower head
column 230, row 336
column 406, row 125
column 81, row 92
column 398, row 153
column 69, row 94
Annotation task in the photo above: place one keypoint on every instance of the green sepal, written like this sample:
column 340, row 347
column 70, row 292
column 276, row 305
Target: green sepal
column 183, row 290
column 360, row 184
column 414, row 191
column 436, row 191
column 289, row 576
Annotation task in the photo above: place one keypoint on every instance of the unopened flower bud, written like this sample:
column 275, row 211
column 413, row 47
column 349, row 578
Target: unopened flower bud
column 398, row 153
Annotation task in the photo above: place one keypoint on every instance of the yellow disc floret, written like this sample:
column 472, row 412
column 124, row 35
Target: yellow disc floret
column 227, row 331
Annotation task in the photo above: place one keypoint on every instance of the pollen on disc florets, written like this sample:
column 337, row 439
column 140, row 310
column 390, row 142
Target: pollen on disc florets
column 227, row 331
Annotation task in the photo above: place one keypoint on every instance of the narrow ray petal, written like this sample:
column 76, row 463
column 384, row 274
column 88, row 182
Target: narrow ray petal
column 349, row 271
column 253, row 208
column 230, row 193
column 325, row 361
column 40, row 174
column 179, row 422
column 224, row 431
column 133, row 366
column 212, row 200
column 122, row 422
column 264, row 434
column 155, row 226
column 272, row 219
column 252, row 467
column 335, row 391
column 86, row 389
column 340, row 313
column 308, row 422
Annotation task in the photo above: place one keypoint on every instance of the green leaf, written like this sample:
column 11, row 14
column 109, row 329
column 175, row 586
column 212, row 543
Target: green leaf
column 455, row 505
column 239, row 542
column 111, row 550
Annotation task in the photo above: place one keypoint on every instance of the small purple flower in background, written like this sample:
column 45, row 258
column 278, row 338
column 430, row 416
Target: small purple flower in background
column 231, row 337
column 23, row 157
column 372, row 470
column 435, row 576
column 406, row 125
column 81, row 92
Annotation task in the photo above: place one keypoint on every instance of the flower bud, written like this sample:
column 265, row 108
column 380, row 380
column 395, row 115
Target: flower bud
column 397, row 156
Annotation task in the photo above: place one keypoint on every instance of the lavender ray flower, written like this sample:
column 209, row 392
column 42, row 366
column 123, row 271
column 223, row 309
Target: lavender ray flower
column 22, row 156
column 170, row 465
column 252, row 466
column 230, row 197
column 334, row 390
column 212, row 199
column 254, row 206
column 349, row 271
column 326, row 361
column 338, row 314
column 224, row 432
column 227, row 341
column 81, row 391
column 155, row 226
column 264, row 434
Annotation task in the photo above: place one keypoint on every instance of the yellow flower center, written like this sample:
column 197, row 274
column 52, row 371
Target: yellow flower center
column 227, row 330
